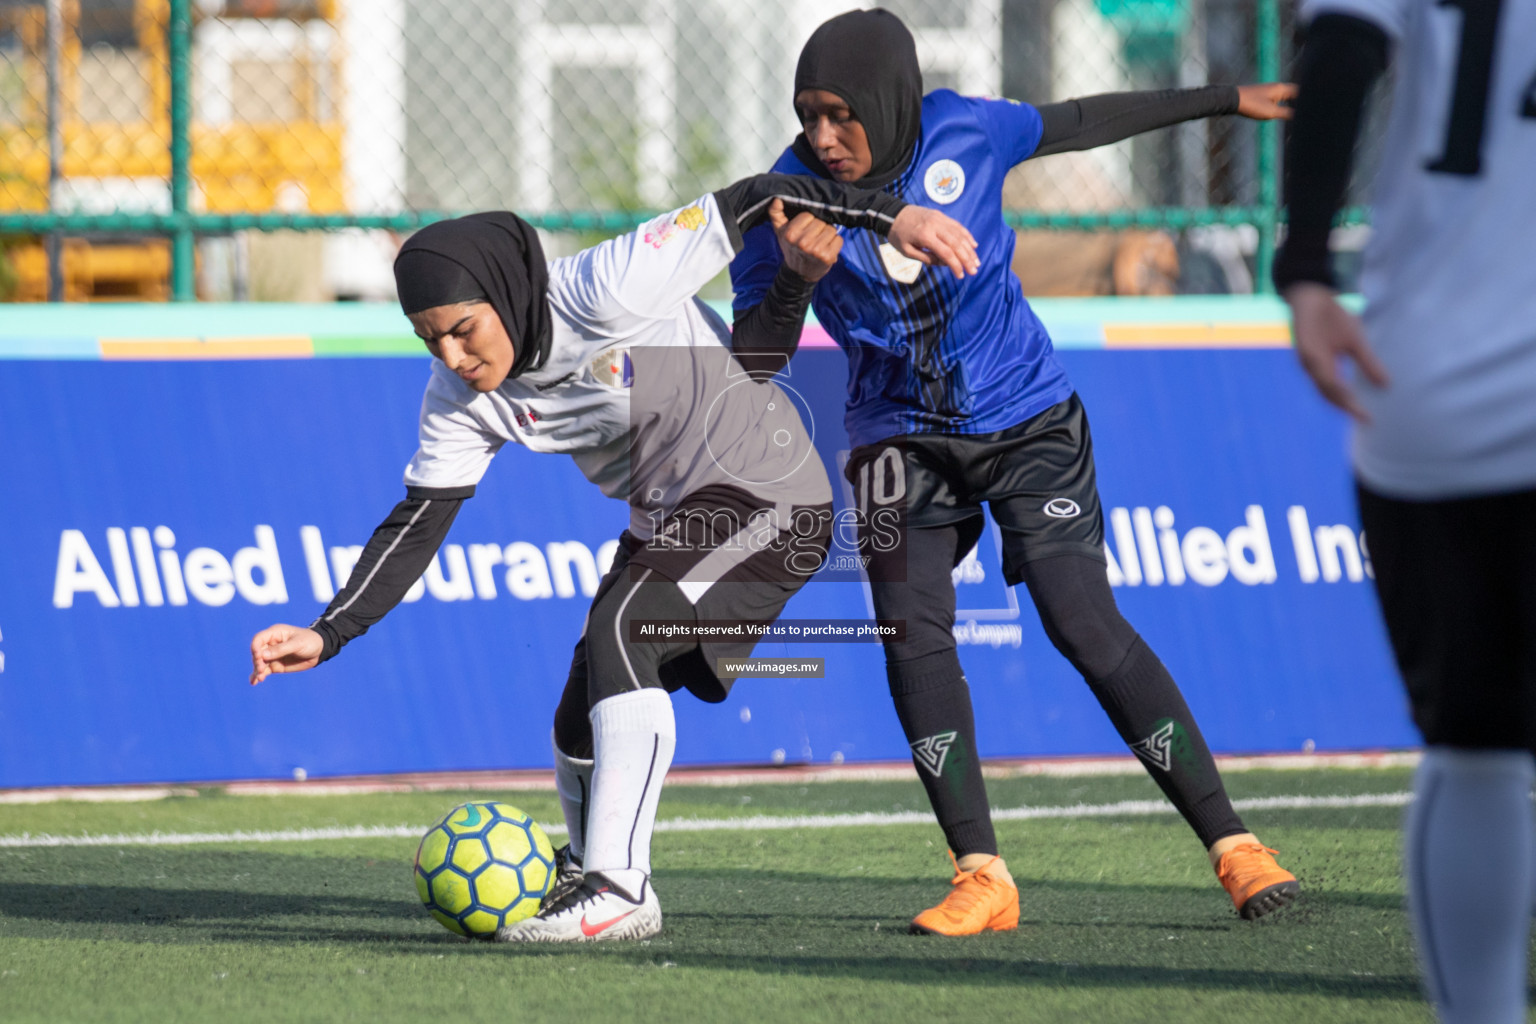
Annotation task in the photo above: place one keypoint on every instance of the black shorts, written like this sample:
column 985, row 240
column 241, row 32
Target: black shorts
column 725, row 533
column 1457, row 583
column 1037, row 478
column 719, row 546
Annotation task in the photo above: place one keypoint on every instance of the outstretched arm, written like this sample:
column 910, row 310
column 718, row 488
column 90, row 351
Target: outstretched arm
column 651, row 271
column 927, row 236
column 1095, row 121
column 1342, row 57
column 394, row 558
column 802, row 211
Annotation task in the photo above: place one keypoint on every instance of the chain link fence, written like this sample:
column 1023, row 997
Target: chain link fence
column 277, row 148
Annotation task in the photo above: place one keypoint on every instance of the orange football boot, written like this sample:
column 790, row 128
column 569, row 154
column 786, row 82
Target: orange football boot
column 1255, row 882
column 978, row 902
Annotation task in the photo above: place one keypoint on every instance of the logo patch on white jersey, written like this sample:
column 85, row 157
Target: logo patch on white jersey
column 930, row 751
column 661, row 232
column 944, row 181
column 614, row 368
column 1061, row 508
column 901, row 268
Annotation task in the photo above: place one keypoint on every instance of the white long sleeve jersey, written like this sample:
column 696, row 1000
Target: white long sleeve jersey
column 639, row 386
column 1450, row 270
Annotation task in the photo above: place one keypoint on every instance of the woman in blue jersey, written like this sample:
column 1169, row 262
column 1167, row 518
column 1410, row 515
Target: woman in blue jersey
column 955, row 398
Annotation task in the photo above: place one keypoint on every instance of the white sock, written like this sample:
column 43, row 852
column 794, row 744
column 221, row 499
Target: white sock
column 633, row 735
column 1470, row 859
column 573, row 781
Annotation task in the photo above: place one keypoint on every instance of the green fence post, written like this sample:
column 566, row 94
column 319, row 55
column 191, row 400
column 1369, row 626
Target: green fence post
column 183, row 247
column 1268, row 40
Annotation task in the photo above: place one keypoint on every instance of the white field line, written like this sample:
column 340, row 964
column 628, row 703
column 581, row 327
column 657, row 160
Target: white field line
column 755, row 823
column 799, row 775
column 102, row 795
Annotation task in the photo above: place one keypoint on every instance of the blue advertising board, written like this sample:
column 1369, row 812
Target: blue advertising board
column 169, row 495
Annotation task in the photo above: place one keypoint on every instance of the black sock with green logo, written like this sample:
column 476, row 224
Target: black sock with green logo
column 933, row 701
column 1147, row 709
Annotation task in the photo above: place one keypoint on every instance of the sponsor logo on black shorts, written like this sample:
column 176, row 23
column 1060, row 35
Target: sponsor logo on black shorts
column 1062, row 508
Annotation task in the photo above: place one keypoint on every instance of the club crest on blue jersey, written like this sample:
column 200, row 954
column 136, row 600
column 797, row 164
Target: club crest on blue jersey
column 614, row 368
column 944, row 181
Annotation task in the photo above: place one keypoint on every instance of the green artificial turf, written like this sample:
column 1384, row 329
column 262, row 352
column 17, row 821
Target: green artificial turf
column 1121, row 920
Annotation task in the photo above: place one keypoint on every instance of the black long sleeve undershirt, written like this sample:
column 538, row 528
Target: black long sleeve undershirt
column 1094, row 121
column 394, row 558
column 746, row 202
column 765, row 336
column 1341, row 58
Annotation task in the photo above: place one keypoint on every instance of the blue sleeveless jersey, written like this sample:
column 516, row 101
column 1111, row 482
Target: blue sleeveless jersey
column 939, row 355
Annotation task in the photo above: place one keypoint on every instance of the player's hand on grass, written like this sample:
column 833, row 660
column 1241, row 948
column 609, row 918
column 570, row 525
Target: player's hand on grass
column 929, row 236
column 284, row 648
column 810, row 245
column 1326, row 333
column 1270, row 101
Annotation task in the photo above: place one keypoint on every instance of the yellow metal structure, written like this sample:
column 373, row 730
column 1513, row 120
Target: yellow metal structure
column 126, row 271
column 291, row 165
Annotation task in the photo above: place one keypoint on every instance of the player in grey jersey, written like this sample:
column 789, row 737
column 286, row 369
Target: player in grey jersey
column 607, row 356
column 1445, row 435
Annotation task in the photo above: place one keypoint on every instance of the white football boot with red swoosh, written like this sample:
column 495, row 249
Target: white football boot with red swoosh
column 594, row 911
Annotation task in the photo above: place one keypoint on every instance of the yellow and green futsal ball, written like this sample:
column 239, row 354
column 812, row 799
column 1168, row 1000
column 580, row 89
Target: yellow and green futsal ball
column 484, row 865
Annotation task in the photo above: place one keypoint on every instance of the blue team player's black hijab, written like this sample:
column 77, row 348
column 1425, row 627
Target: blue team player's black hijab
column 489, row 257
column 870, row 60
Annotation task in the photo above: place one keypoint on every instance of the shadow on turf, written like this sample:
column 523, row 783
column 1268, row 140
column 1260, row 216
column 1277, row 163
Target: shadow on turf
column 112, row 904
column 1054, row 888
column 236, row 916
column 182, row 894
column 148, row 905
column 202, row 901
column 998, row 971
column 949, row 964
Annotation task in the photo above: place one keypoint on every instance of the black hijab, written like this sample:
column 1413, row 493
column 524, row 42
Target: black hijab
column 493, row 257
column 867, row 58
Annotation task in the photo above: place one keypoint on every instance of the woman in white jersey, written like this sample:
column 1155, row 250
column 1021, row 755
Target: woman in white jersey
column 607, row 356
column 1445, row 438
